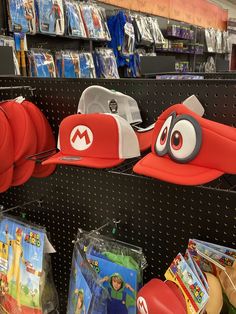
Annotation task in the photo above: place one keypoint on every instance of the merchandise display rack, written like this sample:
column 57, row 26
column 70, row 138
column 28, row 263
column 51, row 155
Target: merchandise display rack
column 158, row 216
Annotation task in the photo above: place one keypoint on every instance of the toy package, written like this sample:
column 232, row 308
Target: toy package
column 74, row 21
column 156, row 32
column 67, row 64
column 95, row 21
column 119, row 267
column 26, row 282
column 41, row 63
column 142, row 30
column 184, row 274
column 210, row 35
column 219, row 263
column 86, row 294
column 105, row 63
column 86, row 64
column 51, row 17
column 219, row 43
column 22, row 16
column 225, row 44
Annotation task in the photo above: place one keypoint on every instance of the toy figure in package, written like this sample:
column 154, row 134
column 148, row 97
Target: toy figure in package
column 21, row 268
column 86, row 64
column 41, row 64
column 51, row 17
column 120, row 282
column 105, row 63
column 75, row 26
column 68, row 64
column 95, row 23
column 22, row 16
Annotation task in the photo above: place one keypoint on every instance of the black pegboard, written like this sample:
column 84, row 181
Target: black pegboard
column 158, row 216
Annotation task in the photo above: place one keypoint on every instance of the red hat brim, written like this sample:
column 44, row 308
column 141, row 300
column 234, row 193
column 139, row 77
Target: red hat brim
column 165, row 169
column 99, row 163
column 6, row 179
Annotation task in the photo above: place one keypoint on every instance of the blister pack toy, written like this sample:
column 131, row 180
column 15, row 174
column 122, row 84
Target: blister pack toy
column 156, row 32
column 142, row 29
column 95, row 21
column 105, row 63
column 86, row 294
column 22, row 16
column 86, row 64
column 51, row 17
column 26, row 282
column 119, row 267
column 41, row 63
column 74, row 21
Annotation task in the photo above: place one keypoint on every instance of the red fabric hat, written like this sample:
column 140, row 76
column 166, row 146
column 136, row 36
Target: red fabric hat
column 95, row 140
column 144, row 136
column 157, row 298
column 188, row 149
column 6, row 153
column 45, row 138
column 24, row 139
column 42, row 171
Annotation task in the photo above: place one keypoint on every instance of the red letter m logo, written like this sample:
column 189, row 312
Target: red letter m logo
column 81, row 135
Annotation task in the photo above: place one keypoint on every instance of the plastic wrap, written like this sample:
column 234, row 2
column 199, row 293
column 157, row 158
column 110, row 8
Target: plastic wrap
column 74, row 22
column 25, row 273
column 41, row 63
column 51, row 17
column 22, row 16
column 105, row 63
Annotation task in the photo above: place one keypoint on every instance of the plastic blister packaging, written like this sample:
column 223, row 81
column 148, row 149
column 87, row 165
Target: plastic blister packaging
column 142, row 30
column 105, row 63
column 51, row 17
column 41, row 63
column 156, row 32
column 22, row 17
column 25, row 271
column 95, row 21
column 74, row 22
column 86, row 294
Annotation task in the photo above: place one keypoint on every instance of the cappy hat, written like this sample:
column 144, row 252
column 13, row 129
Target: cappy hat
column 95, row 140
column 98, row 99
column 24, row 140
column 188, row 149
column 6, row 153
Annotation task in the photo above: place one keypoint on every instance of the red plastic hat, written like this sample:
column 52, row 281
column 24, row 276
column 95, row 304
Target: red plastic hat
column 24, row 139
column 95, row 140
column 45, row 138
column 157, row 298
column 6, row 153
column 188, row 149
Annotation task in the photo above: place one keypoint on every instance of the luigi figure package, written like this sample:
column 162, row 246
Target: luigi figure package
column 119, row 267
column 26, row 285
column 22, row 16
column 51, row 17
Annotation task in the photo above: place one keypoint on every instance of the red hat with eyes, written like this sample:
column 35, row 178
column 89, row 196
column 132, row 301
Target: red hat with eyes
column 188, row 149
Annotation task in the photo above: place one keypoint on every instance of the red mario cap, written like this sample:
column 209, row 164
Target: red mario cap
column 24, row 141
column 188, row 149
column 156, row 297
column 6, row 153
column 95, row 140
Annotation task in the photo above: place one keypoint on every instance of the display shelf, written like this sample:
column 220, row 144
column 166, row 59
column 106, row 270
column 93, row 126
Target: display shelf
column 156, row 215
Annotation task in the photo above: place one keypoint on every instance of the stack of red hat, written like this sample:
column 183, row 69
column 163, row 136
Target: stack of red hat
column 24, row 132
